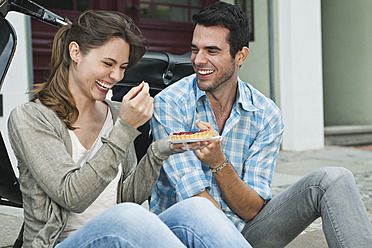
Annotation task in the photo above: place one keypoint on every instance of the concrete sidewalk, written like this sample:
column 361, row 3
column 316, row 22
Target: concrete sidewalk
column 291, row 166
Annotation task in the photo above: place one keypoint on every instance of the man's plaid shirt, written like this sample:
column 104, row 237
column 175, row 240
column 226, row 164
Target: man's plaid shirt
column 250, row 139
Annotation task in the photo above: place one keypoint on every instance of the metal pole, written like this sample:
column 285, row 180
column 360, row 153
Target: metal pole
column 270, row 14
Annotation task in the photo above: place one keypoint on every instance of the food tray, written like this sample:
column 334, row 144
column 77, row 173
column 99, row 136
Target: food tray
column 193, row 140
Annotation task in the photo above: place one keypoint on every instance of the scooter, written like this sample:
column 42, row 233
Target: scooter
column 10, row 193
column 8, row 37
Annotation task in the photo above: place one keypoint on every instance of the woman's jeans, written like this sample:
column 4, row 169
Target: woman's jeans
column 330, row 193
column 194, row 222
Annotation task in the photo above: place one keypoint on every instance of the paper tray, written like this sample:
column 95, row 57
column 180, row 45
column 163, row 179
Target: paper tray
column 193, row 140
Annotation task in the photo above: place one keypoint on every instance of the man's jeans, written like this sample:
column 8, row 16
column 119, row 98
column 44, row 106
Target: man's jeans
column 330, row 193
column 194, row 222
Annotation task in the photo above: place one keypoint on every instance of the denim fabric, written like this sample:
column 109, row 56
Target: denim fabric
column 124, row 225
column 330, row 193
column 198, row 223
column 195, row 222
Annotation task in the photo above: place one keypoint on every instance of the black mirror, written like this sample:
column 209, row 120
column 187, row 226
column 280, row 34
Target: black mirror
column 8, row 41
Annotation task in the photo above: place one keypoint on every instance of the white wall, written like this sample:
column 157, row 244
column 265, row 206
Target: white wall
column 255, row 69
column 300, row 73
column 19, row 76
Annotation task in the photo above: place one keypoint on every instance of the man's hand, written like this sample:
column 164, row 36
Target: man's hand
column 211, row 155
column 193, row 146
column 240, row 197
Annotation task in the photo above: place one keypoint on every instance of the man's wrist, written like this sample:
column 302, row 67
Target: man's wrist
column 214, row 170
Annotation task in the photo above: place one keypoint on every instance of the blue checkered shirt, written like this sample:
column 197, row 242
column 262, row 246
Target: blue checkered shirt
column 250, row 139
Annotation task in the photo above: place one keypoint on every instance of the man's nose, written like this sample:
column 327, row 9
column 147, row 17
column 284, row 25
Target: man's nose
column 200, row 58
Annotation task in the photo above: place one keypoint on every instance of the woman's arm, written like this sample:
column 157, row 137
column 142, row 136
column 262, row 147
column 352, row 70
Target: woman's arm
column 38, row 137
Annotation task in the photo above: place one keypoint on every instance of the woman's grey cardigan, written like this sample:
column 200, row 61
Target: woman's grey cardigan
column 52, row 184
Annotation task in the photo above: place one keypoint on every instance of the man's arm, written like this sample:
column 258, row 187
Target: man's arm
column 241, row 198
column 238, row 195
column 184, row 171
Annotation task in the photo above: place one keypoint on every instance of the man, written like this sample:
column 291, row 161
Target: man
column 235, row 171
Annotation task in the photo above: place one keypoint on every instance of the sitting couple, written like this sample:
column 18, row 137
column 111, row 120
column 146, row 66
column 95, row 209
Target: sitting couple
column 77, row 161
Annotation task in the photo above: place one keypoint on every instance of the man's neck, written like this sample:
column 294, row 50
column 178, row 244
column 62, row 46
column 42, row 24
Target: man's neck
column 221, row 104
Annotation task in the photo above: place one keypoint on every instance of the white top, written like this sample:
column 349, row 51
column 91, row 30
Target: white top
column 107, row 198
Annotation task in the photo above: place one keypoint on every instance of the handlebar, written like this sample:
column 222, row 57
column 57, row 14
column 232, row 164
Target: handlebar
column 32, row 9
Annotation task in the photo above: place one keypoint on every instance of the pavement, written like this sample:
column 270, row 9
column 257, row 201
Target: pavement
column 290, row 167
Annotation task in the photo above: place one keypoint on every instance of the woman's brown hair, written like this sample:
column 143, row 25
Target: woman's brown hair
column 90, row 30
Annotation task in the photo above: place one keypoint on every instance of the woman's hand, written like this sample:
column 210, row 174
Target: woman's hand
column 137, row 105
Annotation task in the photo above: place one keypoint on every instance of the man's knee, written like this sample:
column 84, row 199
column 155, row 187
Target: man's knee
column 333, row 175
column 336, row 173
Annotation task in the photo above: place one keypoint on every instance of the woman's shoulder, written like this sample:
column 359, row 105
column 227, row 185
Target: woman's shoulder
column 33, row 110
column 33, row 107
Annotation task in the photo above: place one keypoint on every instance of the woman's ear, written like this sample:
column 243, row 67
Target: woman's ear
column 241, row 56
column 74, row 50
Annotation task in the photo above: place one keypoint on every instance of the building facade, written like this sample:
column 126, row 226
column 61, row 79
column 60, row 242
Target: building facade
column 310, row 56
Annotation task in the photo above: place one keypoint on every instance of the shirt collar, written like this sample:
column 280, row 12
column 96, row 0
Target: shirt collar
column 246, row 98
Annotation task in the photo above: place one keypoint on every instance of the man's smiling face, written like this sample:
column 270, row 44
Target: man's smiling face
column 211, row 57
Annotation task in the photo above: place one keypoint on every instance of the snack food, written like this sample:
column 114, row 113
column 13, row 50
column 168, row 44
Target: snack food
column 198, row 135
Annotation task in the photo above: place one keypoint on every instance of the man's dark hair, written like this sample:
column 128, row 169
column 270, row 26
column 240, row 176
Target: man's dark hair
column 230, row 17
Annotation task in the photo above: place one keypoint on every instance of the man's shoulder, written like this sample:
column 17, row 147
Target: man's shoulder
column 258, row 99
column 179, row 90
column 264, row 107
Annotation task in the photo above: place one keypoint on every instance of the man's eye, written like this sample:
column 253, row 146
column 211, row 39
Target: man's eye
column 108, row 64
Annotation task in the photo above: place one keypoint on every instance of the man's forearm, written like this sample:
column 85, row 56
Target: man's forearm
column 241, row 198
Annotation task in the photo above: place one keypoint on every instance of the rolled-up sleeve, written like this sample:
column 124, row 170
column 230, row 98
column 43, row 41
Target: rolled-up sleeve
column 260, row 163
column 184, row 170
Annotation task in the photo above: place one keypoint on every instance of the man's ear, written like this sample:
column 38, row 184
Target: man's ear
column 74, row 50
column 241, row 56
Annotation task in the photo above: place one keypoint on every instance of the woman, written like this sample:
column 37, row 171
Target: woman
column 76, row 155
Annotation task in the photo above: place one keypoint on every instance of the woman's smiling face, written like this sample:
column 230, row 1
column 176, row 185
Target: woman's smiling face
column 93, row 74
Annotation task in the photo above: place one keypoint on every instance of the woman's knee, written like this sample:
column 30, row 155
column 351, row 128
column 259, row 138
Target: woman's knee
column 193, row 210
column 126, row 213
column 196, row 219
column 195, row 206
column 129, row 225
